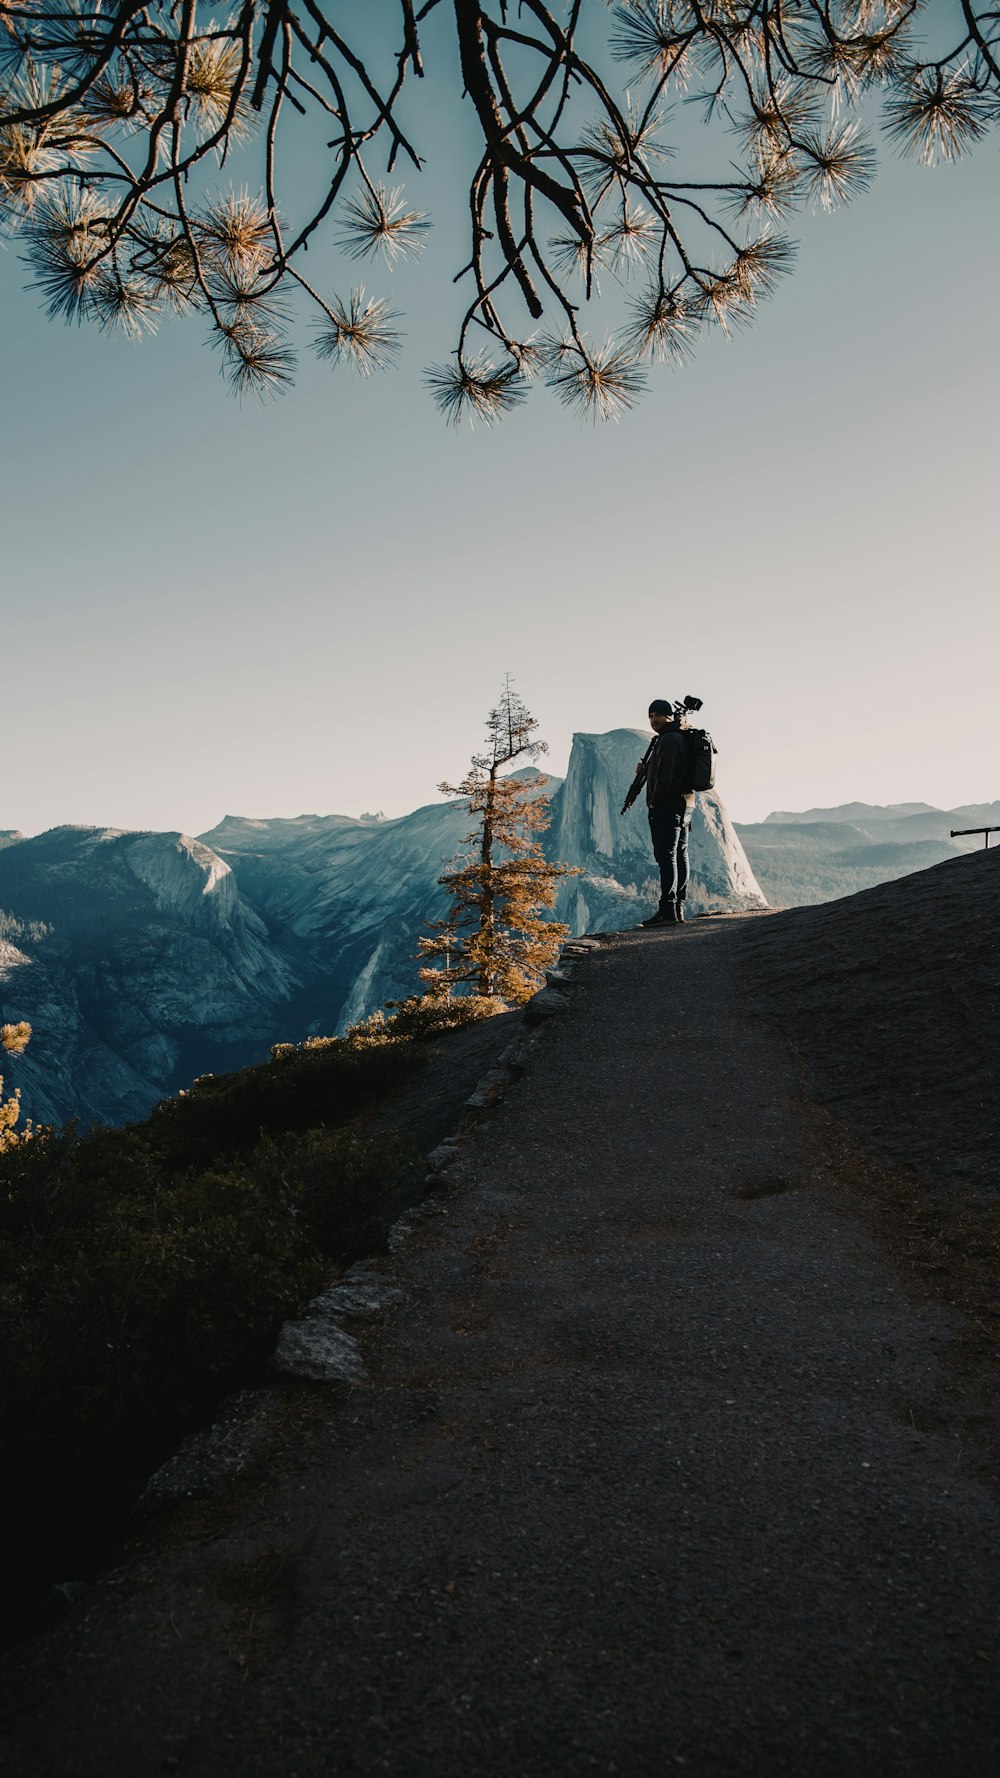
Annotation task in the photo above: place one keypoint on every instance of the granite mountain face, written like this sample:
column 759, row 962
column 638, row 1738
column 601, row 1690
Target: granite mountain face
column 138, row 965
column 619, row 885
column 144, row 959
column 352, row 897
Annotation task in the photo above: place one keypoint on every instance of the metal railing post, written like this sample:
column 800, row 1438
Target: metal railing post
column 955, row 831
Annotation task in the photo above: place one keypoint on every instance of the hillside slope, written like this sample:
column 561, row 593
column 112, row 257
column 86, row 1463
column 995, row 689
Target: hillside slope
column 138, row 965
column 891, row 998
column 658, row 1459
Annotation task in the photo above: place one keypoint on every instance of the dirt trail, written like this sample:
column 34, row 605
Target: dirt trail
column 640, row 1477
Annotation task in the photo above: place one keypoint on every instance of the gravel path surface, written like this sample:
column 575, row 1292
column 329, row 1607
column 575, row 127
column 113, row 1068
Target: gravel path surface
column 635, row 1482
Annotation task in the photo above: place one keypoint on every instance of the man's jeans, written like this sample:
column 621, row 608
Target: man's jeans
column 669, row 831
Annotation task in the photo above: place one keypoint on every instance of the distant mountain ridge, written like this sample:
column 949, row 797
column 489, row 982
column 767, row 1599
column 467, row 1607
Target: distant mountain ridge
column 144, row 959
column 913, row 817
column 853, row 812
column 357, row 894
column 822, row 854
column 170, row 956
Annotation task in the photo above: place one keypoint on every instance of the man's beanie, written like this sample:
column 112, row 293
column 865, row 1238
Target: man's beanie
column 661, row 707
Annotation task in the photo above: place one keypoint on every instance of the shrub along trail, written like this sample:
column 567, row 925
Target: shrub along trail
column 656, row 1466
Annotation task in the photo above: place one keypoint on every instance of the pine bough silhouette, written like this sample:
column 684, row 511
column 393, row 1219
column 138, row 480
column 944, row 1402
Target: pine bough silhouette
column 115, row 120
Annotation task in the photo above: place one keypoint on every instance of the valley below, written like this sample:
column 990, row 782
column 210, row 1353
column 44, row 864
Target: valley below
column 144, row 960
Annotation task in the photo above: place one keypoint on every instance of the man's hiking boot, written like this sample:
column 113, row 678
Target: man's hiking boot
column 679, row 915
column 657, row 920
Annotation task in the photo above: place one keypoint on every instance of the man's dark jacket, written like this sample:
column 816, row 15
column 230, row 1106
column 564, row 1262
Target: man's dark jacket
column 667, row 772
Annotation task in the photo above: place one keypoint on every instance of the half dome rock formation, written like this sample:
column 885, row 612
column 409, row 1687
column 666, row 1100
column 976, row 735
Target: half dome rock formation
column 619, row 884
column 356, row 895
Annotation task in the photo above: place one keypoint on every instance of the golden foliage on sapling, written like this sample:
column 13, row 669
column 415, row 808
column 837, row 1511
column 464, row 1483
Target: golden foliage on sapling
column 14, row 1039
column 495, row 936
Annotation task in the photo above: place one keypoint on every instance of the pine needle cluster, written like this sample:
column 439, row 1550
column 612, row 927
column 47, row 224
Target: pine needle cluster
column 119, row 122
column 360, row 333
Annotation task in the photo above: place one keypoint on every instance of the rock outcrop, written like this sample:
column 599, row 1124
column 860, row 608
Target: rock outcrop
column 619, row 884
column 142, row 968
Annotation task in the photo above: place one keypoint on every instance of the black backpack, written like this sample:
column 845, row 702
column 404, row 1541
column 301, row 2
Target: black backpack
column 701, row 760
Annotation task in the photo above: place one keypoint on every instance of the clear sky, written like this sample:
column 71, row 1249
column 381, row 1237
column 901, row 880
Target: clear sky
column 211, row 609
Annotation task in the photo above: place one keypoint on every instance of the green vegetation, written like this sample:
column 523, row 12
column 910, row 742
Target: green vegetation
column 16, row 931
column 144, row 1272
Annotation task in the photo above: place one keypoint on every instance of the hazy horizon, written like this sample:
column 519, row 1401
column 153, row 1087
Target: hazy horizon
column 256, row 815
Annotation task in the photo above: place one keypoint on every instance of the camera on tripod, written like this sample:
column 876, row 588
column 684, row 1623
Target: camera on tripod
column 687, row 708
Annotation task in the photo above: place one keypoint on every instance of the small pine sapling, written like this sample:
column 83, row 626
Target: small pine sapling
column 496, row 939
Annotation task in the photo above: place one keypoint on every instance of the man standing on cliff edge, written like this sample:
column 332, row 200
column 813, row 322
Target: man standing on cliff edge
column 669, row 804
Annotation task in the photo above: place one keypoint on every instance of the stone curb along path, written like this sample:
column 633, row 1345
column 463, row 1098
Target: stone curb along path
column 641, row 1474
column 320, row 1347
